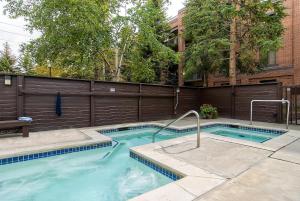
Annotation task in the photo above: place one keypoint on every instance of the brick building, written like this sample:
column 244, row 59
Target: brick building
column 283, row 66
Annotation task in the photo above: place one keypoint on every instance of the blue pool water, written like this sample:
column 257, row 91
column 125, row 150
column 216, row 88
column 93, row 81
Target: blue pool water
column 105, row 174
column 225, row 130
column 255, row 135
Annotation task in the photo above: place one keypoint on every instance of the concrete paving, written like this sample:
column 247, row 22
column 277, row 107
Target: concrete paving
column 221, row 158
column 270, row 180
column 222, row 169
column 267, row 171
column 48, row 140
column 290, row 153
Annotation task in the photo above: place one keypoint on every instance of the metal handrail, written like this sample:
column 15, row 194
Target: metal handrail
column 276, row 101
column 180, row 118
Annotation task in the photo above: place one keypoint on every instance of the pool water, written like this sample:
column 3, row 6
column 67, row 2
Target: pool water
column 105, row 174
column 238, row 133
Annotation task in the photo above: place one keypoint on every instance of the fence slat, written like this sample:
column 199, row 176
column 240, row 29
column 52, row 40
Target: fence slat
column 92, row 103
column 20, row 96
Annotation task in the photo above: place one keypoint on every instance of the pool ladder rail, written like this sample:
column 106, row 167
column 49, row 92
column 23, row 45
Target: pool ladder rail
column 178, row 119
column 283, row 101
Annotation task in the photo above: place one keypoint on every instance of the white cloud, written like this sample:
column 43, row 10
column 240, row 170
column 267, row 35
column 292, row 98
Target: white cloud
column 13, row 30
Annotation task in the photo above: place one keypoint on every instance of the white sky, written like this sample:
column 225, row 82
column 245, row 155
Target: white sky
column 13, row 32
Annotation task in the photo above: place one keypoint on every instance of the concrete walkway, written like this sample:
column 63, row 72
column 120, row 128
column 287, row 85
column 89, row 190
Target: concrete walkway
column 269, row 180
column 48, row 140
column 220, row 170
column 253, row 174
column 224, row 159
column 250, row 172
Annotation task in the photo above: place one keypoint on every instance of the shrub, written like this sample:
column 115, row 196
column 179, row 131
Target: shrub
column 207, row 111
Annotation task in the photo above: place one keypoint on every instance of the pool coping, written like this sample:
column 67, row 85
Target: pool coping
column 273, row 144
column 95, row 138
column 195, row 181
column 94, row 141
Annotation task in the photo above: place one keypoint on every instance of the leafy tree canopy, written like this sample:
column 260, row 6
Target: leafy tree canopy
column 7, row 60
column 150, row 56
column 74, row 33
column 208, row 30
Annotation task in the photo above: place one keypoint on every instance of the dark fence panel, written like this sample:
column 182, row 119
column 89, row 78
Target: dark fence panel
column 8, row 100
column 113, row 110
column 153, row 108
column 89, row 103
column 220, row 97
column 234, row 102
column 268, row 112
column 40, row 99
column 189, row 99
column 95, row 103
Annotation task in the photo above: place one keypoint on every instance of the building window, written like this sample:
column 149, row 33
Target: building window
column 268, row 59
column 272, row 58
column 268, row 81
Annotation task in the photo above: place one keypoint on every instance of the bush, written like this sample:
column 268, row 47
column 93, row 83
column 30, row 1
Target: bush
column 207, row 111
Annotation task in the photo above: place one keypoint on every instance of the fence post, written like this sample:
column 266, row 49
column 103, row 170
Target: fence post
column 140, row 104
column 233, row 96
column 174, row 101
column 20, row 95
column 296, row 107
column 92, row 103
column 279, row 97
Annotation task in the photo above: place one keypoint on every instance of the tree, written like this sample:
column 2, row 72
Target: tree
column 233, row 33
column 150, row 57
column 75, row 34
column 123, row 38
column 207, row 44
column 7, row 60
column 26, row 63
column 45, row 71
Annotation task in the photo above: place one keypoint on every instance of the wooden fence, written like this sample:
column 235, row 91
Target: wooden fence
column 95, row 103
column 90, row 103
column 292, row 93
column 234, row 101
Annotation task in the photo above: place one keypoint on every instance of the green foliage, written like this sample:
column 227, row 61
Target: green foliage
column 90, row 38
column 207, row 111
column 7, row 60
column 149, row 54
column 74, row 33
column 26, row 63
column 207, row 29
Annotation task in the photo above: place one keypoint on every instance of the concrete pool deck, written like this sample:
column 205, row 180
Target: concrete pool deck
column 250, row 171
column 221, row 169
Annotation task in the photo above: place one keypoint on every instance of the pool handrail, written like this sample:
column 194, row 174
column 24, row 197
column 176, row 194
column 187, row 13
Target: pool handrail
column 178, row 119
column 283, row 101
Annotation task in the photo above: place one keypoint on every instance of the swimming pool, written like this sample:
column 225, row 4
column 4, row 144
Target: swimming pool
column 241, row 132
column 106, row 174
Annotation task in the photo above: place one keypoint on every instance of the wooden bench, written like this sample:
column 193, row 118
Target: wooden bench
column 16, row 124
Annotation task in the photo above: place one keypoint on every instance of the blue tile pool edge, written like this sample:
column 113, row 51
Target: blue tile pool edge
column 168, row 173
column 182, row 130
column 112, row 130
column 46, row 154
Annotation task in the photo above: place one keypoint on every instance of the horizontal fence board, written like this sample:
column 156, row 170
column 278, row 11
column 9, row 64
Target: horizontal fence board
column 86, row 103
column 8, row 100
